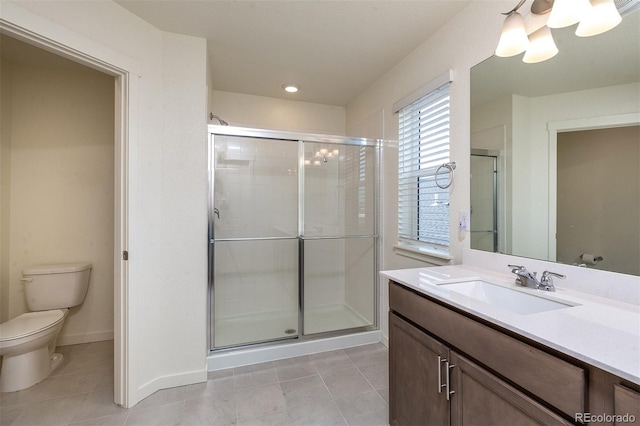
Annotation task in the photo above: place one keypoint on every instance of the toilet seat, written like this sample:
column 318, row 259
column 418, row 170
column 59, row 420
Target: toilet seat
column 29, row 323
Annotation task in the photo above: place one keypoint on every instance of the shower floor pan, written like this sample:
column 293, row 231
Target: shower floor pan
column 263, row 326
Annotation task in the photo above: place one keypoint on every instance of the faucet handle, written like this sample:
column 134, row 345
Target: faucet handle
column 516, row 268
column 548, row 274
column 546, row 281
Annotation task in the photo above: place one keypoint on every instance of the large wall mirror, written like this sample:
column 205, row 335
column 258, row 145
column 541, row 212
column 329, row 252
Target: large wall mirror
column 555, row 152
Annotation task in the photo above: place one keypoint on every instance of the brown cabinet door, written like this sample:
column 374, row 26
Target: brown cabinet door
column 626, row 403
column 481, row 398
column 414, row 366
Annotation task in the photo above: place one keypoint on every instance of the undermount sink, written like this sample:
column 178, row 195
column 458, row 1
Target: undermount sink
column 513, row 300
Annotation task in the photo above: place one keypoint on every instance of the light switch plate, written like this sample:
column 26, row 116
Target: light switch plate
column 464, row 220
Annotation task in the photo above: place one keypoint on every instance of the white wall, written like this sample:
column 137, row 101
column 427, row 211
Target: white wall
column 531, row 152
column 5, row 182
column 167, row 293
column 469, row 38
column 461, row 44
column 58, row 201
column 276, row 114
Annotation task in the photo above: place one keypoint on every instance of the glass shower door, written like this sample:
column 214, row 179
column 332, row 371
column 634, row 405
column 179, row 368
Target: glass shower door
column 484, row 199
column 338, row 237
column 254, row 215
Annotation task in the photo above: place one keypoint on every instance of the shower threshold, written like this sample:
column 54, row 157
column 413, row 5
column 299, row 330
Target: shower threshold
column 263, row 326
column 247, row 355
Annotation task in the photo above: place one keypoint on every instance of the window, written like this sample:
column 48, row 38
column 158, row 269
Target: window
column 423, row 207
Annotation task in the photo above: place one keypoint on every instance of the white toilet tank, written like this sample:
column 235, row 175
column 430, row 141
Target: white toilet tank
column 60, row 286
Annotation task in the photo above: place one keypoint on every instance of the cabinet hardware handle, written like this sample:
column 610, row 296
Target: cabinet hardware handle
column 440, row 361
column 449, row 368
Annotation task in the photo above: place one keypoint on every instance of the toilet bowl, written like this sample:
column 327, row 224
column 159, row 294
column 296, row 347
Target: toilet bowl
column 25, row 347
column 28, row 342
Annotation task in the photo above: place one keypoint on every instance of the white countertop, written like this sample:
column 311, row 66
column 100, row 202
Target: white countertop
column 597, row 330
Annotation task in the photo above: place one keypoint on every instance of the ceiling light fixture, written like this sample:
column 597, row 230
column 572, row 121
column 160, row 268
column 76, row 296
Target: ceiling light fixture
column 593, row 17
column 291, row 88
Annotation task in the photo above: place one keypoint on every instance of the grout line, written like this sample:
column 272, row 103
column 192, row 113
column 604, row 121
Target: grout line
column 333, row 399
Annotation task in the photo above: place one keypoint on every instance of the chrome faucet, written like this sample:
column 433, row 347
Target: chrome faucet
column 524, row 278
column 529, row 279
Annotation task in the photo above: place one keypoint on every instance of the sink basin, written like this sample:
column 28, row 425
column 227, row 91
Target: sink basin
column 505, row 298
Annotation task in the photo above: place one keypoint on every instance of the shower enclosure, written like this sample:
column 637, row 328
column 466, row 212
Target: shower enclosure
column 293, row 245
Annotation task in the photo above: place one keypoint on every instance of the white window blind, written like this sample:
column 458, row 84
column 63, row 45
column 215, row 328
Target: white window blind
column 423, row 207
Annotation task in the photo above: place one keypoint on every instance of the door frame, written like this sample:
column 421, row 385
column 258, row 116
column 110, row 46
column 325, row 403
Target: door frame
column 573, row 125
column 23, row 25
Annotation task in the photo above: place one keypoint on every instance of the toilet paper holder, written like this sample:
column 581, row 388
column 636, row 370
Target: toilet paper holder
column 590, row 258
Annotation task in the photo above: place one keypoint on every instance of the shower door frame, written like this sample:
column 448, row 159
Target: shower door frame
column 495, row 157
column 300, row 139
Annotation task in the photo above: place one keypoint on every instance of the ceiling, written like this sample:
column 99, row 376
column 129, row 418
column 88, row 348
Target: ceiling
column 334, row 50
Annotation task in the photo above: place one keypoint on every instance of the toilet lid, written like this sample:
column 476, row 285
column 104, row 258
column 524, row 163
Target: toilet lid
column 29, row 323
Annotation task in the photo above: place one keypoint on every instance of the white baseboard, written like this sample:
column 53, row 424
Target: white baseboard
column 76, row 339
column 166, row 382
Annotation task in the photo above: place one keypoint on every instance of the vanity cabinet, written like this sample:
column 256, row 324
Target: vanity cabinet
column 447, row 368
column 415, row 376
column 432, row 384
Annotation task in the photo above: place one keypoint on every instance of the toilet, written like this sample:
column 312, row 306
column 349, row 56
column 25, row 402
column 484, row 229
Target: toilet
column 28, row 342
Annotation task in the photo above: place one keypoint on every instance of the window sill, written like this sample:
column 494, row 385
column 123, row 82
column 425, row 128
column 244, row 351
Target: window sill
column 422, row 253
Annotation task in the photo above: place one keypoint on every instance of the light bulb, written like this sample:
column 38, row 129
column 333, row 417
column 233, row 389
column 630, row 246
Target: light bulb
column 291, row 88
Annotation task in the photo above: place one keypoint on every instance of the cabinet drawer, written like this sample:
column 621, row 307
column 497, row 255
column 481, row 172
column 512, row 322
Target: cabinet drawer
column 555, row 381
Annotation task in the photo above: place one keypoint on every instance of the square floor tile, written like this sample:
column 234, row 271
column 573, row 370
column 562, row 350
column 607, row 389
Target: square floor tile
column 346, row 382
column 257, row 402
column 57, row 411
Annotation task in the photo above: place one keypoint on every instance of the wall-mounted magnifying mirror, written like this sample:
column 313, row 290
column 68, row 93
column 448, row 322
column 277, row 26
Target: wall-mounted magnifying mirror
column 555, row 152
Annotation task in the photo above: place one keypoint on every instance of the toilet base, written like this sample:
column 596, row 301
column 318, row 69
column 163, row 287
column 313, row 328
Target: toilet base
column 25, row 370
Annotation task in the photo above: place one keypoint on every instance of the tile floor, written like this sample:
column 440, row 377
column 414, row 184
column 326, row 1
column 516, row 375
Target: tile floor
column 340, row 387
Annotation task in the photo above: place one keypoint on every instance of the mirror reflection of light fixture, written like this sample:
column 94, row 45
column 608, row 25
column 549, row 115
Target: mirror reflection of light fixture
column 593, row 17
column 324, row 154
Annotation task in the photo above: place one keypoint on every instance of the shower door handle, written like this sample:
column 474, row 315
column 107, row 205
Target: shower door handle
column 216, row 212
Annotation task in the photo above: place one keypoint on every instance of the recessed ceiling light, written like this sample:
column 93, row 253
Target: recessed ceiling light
column 291, row 88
